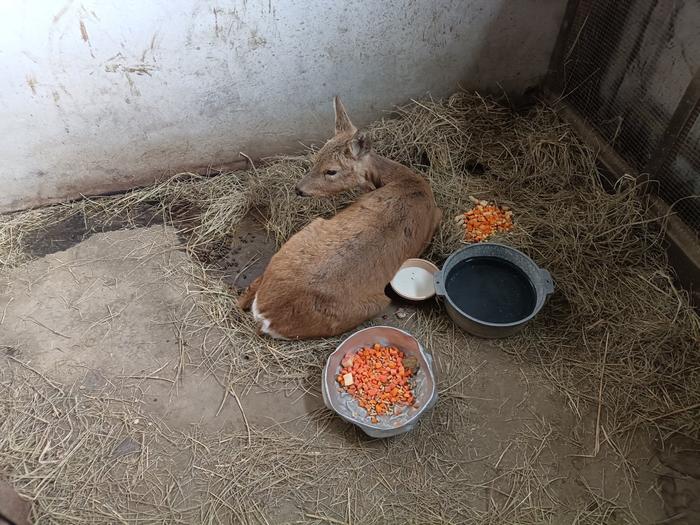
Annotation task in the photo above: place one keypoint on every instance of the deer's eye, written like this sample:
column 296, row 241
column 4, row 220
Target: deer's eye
column 331, row 172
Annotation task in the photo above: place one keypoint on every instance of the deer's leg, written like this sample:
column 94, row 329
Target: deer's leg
column 246, row 299
column 363, row 310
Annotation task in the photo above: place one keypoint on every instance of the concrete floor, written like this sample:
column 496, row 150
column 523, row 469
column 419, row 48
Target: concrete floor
column 107, row 310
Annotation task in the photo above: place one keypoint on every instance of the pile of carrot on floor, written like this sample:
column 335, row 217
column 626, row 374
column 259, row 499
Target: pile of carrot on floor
column 484, row 219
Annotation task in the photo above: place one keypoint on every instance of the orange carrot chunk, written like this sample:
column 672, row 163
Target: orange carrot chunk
column 378, row 378
column 486, row 219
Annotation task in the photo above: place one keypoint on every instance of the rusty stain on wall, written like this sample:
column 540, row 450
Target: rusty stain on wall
column 62, row 12
column 85, row 37
column 83, row 32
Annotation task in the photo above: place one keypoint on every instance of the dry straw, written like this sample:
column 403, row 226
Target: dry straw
column 618, row 339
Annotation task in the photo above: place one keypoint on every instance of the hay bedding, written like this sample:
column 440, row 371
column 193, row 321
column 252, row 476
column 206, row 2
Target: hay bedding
column 617, row 336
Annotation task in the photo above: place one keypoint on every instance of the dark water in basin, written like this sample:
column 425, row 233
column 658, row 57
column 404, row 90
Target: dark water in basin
column 491, row 289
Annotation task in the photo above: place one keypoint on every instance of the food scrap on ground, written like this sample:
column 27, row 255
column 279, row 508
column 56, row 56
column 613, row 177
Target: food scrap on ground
column 484, row 219
column 379, row 378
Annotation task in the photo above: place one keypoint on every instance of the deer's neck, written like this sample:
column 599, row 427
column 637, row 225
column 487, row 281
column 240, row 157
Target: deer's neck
column 381, row 171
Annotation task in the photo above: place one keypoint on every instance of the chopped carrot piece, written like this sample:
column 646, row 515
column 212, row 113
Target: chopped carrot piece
column 486, row 219
column 378, row 378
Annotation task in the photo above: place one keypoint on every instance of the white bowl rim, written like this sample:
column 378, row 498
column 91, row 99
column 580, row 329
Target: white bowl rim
column 407, row 264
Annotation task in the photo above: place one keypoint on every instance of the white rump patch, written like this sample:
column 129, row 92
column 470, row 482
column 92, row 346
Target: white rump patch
column 264, row 323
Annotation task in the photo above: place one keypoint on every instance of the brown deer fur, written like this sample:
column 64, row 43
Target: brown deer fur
column 330, row 277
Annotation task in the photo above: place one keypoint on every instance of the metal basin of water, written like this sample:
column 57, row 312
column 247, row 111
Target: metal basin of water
column 491, row 290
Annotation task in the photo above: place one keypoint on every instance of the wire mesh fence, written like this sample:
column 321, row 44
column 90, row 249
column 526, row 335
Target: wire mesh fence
column 626, row 68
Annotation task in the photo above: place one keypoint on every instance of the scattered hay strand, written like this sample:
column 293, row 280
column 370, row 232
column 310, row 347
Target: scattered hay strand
column 85, row 456
column 618, row 338
column 602, row 247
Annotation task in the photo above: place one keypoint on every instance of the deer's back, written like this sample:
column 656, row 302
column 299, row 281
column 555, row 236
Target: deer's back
column 363, row 245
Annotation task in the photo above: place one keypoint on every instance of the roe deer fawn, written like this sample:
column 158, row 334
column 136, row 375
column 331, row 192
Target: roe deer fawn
column 330, row 276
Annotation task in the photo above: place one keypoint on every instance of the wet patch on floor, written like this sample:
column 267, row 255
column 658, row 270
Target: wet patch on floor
column 247, row 255
column 76, row 228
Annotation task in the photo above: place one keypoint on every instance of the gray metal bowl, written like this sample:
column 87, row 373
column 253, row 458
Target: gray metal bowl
column 343, row 404
column 541, row 281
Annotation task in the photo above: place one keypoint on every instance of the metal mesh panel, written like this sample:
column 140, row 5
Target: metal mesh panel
column 627, row 65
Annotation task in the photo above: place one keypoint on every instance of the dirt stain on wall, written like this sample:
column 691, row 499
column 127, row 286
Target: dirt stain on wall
column 62, row 12
column 31, row 82
column 83, row 32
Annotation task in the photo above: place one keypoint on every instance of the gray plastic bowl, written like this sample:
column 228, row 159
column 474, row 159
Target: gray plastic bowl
column 541, row 281
column 343, row 404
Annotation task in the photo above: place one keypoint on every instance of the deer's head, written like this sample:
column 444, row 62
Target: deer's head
column 340, row 164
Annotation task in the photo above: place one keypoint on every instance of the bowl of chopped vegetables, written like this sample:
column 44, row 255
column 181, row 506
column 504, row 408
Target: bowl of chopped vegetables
column 380, row 379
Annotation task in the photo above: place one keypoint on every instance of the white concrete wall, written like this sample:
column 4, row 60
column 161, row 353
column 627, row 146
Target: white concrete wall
column 103, row 95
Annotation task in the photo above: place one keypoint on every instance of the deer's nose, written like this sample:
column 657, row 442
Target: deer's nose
column 300, row 192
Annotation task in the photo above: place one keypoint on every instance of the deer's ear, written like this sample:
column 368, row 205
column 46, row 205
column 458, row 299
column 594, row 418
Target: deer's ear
column 342, row 121
column 360, row 145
